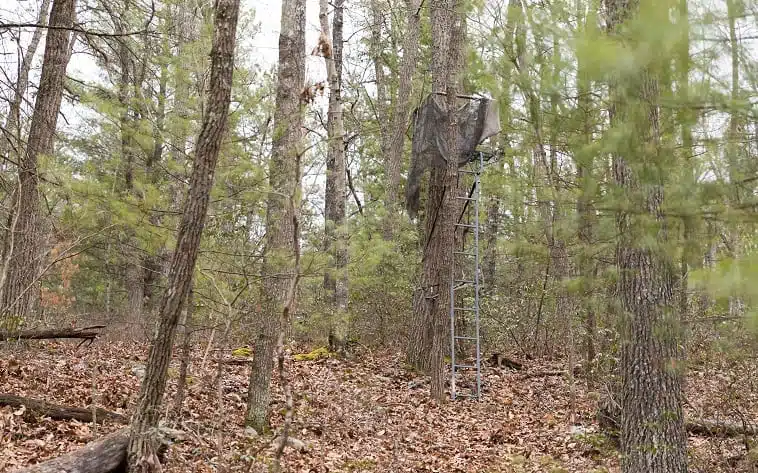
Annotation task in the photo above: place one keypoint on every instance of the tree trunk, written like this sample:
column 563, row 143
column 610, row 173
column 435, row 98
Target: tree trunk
column 394, row 153
column 653, row 437
column 142, row 445
column 734, row 152
column 490, row 255
column 381, row 108
column 430, row 300
column 543, row 189
column 335, row 277
column 10, row 143
column 448, row 36
column 152, row 263
column 280, row 231
column 186, row 327
column 19, row 279
column 127, row 84
column 585, row 210
column 687, row 118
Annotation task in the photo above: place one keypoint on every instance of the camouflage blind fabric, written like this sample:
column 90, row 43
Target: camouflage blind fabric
column 478, row 119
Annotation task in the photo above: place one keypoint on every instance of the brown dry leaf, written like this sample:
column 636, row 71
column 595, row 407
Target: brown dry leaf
column 356, row 415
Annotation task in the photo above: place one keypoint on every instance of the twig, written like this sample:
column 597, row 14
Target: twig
column 144, row 30
column 207, row 349
column 352, row 191
column 94, row 399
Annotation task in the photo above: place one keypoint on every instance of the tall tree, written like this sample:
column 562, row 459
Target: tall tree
column 585, row 211
column 18, row 280
column 335, row 278
column 734, row 152
column 382, row 107
column 427, row 350
column 653, row 439
column 142, row 444
column 128, row 85
column 687, row 119
column 278, row 262
column 10, row 143
column 393, row 156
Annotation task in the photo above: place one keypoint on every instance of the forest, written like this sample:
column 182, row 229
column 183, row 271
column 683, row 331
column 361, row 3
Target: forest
column 378, row 236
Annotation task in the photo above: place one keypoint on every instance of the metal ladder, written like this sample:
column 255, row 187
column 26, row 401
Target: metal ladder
column 464, row 286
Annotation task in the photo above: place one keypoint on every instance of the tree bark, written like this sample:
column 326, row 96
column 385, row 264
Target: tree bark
column 127, row 85
column 734, row 154
column 687, row 118
column 335, row 277
column 394, row 153
column 585, row 204
column 57, row 412
column 186, row 326
column 427, row 341
column 429, row 300
column 381, row 108
column 18, row 282
column 10, row 143
column 142, row 444
column 490, row 254
column 280, row 232
column 653, row 436
column 447, row 39
column 105, row 455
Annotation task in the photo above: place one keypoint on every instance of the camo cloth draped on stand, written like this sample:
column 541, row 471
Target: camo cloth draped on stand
column 478, row 119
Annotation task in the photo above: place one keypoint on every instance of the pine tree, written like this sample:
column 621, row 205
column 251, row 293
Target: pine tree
column 142, row 450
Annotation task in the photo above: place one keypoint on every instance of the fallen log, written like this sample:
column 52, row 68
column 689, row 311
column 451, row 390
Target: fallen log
column 498, row 360
column 609, row 415
column 233, row 361
column 711, row 428
column 102, row 456
column 543, row 374
column 106, row 455
column 54, row 411
column 85, row 333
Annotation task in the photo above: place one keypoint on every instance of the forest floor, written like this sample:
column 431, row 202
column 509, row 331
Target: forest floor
column 367, row 414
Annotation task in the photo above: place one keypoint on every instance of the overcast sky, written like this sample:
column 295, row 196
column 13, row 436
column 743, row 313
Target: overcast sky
column 263, row 47
column 264, row 44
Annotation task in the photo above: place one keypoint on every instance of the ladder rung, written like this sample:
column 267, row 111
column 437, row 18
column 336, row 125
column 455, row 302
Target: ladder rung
column 465, row 366
column 464, row 281
column 466, row 225
column 463, row 253
column 460, row 337
column 470, row 309
column 465, row 198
